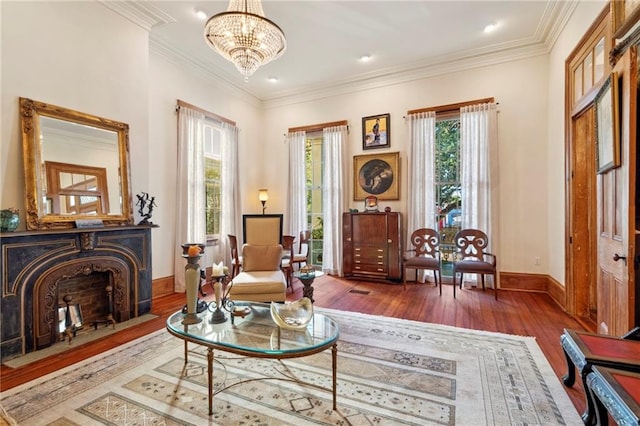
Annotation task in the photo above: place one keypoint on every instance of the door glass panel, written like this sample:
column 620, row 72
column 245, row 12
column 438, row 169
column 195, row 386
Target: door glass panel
column 588, row 71
column 598, row 63
column 577, row 83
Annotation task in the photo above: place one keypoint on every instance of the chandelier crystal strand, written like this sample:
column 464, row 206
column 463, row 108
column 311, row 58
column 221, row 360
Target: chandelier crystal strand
column 244, row 36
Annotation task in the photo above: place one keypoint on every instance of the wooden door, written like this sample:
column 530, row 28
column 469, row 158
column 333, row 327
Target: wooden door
column 583, row 218
column 616, row 214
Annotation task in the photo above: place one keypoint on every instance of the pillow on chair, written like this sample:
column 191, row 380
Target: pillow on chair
column 261, row 258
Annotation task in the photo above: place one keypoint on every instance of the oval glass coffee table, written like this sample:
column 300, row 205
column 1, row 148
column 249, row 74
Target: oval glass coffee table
column 256, row 335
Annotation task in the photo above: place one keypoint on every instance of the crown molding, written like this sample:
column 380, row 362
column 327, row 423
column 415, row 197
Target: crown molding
column 140, row 13
column 554, row 19
column 203, row 70
column 399, row 76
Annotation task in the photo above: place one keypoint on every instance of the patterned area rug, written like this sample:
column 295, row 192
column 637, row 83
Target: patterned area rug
column 390, row 372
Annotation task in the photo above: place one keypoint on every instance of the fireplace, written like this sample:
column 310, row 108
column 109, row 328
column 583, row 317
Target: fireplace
column 40, row 267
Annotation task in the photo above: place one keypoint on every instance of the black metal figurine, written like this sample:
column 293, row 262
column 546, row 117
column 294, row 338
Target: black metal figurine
column 145, row 201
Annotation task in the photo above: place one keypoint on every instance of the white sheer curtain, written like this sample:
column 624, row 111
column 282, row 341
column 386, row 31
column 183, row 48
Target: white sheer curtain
column 421, row 206
column 230, row 189
column 190, row 202
column 478, row 171
column 334, row 140
column 296, row 191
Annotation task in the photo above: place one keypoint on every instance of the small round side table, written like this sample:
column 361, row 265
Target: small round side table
column 307, row 281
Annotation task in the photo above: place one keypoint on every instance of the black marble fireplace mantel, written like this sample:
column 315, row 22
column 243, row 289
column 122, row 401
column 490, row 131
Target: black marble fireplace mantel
column 34, row 262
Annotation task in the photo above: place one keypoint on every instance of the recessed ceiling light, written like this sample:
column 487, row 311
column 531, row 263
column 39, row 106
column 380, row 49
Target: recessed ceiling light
column 490, row 28
column 365, row 58
column 273, row 79
column 201, row 14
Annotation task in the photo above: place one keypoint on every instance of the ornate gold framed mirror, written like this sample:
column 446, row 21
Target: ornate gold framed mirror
column 76, row 167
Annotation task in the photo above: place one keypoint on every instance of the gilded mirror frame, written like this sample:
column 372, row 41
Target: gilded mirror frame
column 36, row 216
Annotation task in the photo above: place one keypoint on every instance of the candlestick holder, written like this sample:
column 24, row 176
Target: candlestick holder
column 222, row 301
column 192, row 281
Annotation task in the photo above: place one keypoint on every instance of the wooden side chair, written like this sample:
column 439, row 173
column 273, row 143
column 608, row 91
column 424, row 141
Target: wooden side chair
column 471, row 257
column 425, row 255
column 236, row 259
column 287, row 258
column 303, row 249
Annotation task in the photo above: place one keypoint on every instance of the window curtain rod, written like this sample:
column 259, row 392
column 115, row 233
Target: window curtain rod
column 318, row 127
column 205, row 112
column 450, row 108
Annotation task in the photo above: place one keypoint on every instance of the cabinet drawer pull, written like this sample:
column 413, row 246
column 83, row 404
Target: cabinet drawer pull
column 389, row 241
column 380, row 263
column 357, row 249
column 349, row 239
column 380, row 250
column 357, row 267
column 357, row 261
column 380, row 270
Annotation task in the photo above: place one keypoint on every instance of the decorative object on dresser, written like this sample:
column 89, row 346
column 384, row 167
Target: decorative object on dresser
column 372, row 245
column 377, row 174
column 371, row 203
column 376, row 131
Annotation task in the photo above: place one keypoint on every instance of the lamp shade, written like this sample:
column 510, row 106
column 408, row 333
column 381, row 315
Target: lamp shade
column 263, row 194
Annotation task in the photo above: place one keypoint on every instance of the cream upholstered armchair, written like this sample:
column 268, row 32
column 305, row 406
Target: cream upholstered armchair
column 261, row 279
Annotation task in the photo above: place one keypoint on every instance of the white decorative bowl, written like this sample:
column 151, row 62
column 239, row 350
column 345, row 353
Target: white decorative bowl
column 293, row 316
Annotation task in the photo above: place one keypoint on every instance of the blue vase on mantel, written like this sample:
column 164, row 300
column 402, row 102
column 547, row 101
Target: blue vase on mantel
column 9, row 220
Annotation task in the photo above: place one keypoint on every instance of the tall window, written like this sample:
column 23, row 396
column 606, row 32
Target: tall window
column 447, row 185
column 313, row 172
column 212, row 177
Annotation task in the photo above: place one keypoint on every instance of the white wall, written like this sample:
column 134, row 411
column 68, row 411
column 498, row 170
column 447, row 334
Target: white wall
column 83, row 57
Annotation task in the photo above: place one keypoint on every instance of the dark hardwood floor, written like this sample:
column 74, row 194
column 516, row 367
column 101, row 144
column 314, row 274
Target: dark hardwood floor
column 520, row 313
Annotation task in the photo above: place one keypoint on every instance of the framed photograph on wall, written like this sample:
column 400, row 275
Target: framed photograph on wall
column 607, row 125
column 376, row 131
column 376, row 174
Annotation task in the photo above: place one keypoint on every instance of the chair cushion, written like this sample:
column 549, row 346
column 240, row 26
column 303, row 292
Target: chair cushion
column 261, row 258
column 422, row 262
column 259, row 286
column 474, row 266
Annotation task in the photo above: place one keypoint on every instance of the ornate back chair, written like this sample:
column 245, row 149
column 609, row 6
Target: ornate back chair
column 471, row 257
column 236, row 259
column 425, row 255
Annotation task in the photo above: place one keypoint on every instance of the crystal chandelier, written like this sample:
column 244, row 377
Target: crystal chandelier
column 244, row 36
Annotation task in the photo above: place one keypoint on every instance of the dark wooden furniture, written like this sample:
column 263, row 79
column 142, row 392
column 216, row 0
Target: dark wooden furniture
column 236, row 259
column 584, row 350
column 425, row 254
column 616, row 393
column 371, row 245
column 471, row 257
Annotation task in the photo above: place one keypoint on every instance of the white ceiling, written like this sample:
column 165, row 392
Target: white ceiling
column 325, row 39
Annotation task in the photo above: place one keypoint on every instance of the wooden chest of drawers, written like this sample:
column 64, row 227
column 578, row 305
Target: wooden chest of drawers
column 372, row 245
